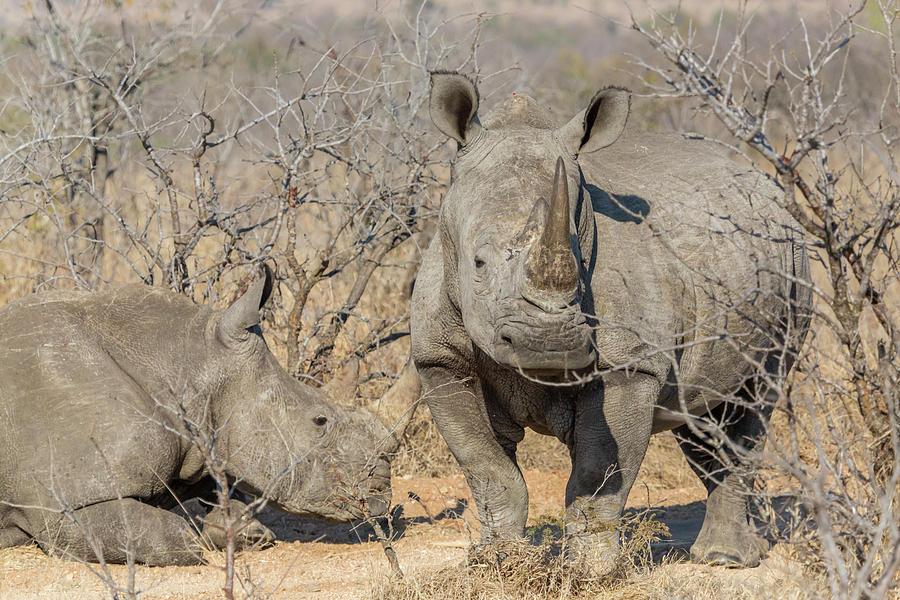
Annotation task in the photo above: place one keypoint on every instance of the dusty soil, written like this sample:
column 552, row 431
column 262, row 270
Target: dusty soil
column 335, row 561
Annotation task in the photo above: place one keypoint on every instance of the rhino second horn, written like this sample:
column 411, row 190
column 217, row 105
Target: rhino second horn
column 551, row 265
column 534, row 225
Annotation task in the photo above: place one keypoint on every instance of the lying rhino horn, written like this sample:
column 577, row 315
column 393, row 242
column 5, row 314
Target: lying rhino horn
column 551, row 265
column 243, row 314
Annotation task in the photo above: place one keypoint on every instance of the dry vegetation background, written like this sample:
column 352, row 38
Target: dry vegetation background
column 182, row 144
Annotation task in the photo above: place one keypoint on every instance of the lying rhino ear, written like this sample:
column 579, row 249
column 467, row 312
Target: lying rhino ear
column 454, row 105
column 600, row 124
column 243, row 313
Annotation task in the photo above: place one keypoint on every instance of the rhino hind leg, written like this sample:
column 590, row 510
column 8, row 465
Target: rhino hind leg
column 728, row 536
column 115, row 528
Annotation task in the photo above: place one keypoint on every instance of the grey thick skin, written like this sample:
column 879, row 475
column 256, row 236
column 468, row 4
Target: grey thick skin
column 663, row 274
column 95, row 389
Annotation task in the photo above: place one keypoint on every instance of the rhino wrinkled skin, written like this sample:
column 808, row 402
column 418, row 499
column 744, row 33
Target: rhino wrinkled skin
column 94, row 449
column 650, row 260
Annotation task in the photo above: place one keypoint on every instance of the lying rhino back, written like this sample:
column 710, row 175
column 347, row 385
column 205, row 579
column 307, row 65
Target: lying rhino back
column 88, row 375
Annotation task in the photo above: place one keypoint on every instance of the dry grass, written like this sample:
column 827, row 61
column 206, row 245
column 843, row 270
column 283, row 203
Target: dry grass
column 536, row 571
column 532, row 569
column 666, row 581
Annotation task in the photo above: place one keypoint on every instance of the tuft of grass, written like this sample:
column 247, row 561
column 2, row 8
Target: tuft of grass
column 19, row 558
column 533, row 568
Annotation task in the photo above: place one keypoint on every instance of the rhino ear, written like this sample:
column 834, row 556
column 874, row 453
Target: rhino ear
column 243, row 314
column 454, row 106
column 600, row 124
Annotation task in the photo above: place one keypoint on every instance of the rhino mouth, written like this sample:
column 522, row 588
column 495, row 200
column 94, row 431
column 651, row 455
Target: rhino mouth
column 545, row 352
column 547, row 364
column 337, row 500
column 371, row 498
column 559, row 376
column 340, row 508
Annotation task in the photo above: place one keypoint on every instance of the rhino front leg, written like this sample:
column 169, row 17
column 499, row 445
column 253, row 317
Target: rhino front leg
column 249, row 531
column 458, row 408
column 611, row 435
column 727, row 536
column 116, row 528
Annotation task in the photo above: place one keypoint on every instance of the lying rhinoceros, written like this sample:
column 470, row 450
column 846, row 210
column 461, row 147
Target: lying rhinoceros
column 97, row 392
column 601, row 287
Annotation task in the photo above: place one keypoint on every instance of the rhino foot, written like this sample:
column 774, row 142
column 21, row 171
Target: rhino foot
column 594, row 554
column 734, row 545
column 251, row 532
column 256, row 534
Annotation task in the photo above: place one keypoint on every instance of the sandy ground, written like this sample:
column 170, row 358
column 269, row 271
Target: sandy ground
column 322, row 561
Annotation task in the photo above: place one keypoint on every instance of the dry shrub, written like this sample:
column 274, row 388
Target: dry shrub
column 818, row 112
column 424, row 452
column 542, row 453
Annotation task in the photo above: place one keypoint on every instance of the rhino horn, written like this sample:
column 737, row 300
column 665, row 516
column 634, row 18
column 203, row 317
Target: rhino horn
column 551, row 265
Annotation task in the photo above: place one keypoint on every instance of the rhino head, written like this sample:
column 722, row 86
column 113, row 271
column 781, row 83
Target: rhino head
column 516, row 250
column 288, row 441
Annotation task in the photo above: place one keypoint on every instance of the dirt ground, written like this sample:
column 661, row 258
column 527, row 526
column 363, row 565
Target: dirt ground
column 314, row 560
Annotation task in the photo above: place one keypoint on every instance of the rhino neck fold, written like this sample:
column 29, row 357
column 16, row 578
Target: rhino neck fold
column 165, row 350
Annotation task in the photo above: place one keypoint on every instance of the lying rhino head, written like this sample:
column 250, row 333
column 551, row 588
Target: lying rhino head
column 289, row 441
column 513, row 243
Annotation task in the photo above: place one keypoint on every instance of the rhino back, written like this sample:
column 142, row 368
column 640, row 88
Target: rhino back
column 682, row 232
column 78, row 376
column 686, row 185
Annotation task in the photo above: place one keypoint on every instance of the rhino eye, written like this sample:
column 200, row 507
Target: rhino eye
column 479, row 264
column 320, row 420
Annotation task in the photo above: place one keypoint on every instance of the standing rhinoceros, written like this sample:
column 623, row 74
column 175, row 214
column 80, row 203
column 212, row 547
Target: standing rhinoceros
column 661, row 271
column 95, row 393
